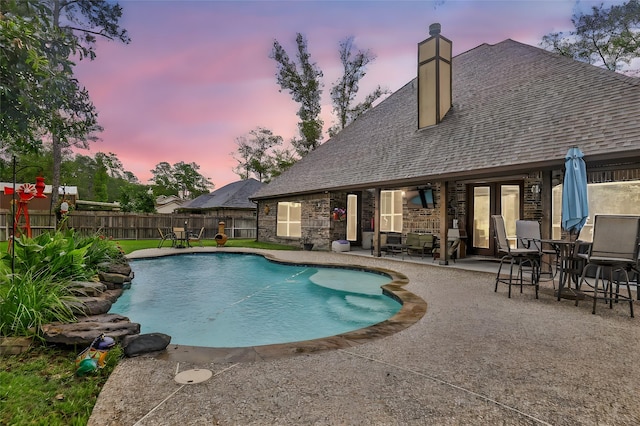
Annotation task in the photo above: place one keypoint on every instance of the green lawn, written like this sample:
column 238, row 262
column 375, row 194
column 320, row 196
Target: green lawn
column 40, row 387
column 132, row 245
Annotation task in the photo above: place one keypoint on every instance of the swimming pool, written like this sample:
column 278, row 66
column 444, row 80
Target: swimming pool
column 241, row 300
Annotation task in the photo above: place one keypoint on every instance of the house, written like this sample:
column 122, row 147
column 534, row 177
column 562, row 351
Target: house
column 231, row 204
column 167, row 204
column 481, row 133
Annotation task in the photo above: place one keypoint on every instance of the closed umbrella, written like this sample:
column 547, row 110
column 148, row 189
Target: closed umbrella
column 575, row 204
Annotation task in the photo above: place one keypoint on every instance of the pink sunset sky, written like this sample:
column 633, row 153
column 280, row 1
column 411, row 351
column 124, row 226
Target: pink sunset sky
column 197, row 74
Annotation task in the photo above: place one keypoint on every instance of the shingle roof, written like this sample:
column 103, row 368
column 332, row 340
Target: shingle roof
column 515, row 108
column 232, row 196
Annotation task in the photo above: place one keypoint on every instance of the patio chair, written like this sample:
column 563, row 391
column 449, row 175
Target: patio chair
column 453, row 243
column 614, row 253
column 520, row 258
column 528, row 236
column 390, row 243
column 165, row 236
column 196, row 237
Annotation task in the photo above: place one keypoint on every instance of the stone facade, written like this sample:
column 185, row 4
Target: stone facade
column 319, row 228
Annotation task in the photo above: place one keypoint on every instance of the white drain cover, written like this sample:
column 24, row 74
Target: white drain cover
column 190, row 377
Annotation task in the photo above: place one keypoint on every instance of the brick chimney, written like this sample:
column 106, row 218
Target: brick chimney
column 434, row 78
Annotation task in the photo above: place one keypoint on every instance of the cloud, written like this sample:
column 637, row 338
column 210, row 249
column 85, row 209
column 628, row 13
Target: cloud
column 197, row 74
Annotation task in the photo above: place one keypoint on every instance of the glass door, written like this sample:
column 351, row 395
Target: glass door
column 510, row 210
column 488, row 199
column 481, row 233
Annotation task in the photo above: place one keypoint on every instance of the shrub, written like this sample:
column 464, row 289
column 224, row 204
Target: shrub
column 29, row 300
column 35, row 279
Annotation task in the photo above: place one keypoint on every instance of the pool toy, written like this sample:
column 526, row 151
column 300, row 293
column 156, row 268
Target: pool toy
column 95, row 356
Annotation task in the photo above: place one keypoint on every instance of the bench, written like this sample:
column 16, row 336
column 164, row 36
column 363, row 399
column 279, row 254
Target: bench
column 423, row 243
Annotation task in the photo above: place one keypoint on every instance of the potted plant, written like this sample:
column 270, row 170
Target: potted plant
column 339, row 213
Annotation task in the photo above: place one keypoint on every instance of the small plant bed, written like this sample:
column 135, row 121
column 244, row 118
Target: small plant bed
column 41, row 387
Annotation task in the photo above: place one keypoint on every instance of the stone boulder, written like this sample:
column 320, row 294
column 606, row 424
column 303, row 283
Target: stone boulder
column 88, row 328
column 109, row 277
column 145, row 343
column 91, row 306
column 117, row 268
column 113, row 295
column 87, row 288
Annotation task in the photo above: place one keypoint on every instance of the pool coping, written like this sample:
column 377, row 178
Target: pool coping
column 412, row 310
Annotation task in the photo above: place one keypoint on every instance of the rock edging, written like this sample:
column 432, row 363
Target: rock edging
column 95, row 299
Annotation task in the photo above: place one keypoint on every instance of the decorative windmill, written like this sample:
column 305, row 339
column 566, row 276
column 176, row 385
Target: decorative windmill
column 26, row 192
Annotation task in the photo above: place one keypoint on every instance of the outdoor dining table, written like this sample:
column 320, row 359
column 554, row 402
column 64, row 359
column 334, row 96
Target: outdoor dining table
column 181, row 238
column 570, row 266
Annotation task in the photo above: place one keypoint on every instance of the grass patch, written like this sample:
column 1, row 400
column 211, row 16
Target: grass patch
column 132, row 245
column 40, row 387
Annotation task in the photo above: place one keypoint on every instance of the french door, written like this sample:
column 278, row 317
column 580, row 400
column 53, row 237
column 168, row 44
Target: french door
column 503, row 198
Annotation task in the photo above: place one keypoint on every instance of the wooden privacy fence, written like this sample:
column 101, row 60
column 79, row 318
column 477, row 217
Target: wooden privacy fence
column 134, row 226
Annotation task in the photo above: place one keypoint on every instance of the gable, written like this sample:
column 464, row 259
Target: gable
column 232, row 196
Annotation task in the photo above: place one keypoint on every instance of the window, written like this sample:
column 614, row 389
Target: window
column 604, row 198
column 391, row 211
column 352, row 217
column 289, row 214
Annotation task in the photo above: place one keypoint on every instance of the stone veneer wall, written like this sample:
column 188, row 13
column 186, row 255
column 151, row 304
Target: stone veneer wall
column 321, row 230
column 315, row 217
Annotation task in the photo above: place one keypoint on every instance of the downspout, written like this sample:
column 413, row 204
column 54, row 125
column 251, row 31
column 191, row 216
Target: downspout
column 444, row 223
column 376, row 222
column 257, row 203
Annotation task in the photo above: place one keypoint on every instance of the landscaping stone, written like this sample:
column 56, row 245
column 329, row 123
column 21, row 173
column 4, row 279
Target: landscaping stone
column 113, row 295
column 88, row 288
column 114, row 278
column 145, row 343
column 14, row 345
column 120, row 268
column 88, row 328
column 91, row 306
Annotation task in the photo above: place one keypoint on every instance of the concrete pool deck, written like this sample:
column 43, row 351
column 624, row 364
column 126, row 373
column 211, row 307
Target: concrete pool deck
column 475, row 357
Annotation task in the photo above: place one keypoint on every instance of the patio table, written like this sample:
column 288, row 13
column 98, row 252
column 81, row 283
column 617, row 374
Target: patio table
column 570, row 267
column 182, row 239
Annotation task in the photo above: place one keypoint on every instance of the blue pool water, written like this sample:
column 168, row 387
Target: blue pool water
column 239, row 300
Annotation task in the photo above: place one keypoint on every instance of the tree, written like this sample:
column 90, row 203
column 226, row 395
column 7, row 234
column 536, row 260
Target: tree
column 282, row 160
column 606, row 37
column 79, row 24
column 100, row 181
column 29, row 78
column 112, row 164
column 181, row 179
column 256, row 154
column 305, row 88
column 344, row 90
column 137, row 198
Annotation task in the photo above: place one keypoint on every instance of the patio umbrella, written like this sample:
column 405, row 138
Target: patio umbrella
column 575, row 204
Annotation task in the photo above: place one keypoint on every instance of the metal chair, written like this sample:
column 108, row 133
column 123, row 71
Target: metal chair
column 165, row 236
column 519, row 257
column 196, row 237
column 528, row 236
column 614, row 253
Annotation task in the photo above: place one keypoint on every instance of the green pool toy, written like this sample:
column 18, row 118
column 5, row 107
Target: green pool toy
column 87, row 365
